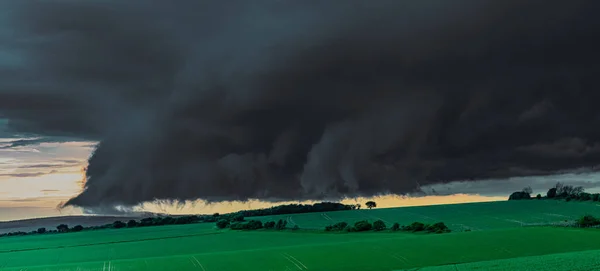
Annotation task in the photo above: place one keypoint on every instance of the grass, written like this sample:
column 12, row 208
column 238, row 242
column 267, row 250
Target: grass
column 201, row 247
column 472, row 216
column 572, row 261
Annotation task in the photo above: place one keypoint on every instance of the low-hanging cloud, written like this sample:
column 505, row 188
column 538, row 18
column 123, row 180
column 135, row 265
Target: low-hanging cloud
column 281, row 100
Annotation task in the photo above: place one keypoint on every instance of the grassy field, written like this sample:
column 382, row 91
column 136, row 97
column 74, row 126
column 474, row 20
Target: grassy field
column 496, row 236
column 473, row 216
column 573, row 261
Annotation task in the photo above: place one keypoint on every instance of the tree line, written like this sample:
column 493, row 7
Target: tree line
column 189, row 219
column 379, row 225
column 558, row 191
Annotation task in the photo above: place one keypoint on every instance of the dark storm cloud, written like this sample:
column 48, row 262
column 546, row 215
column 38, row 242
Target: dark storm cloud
column 279, row 100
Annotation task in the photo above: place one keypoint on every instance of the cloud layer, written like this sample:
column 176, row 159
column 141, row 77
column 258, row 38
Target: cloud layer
column 281, row 100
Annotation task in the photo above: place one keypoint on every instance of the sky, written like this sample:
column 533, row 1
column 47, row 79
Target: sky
column 279, row 101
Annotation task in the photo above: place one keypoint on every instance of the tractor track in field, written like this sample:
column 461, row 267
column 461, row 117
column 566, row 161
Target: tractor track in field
column 108, row 243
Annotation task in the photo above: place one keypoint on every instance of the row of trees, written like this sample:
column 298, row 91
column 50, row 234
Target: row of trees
column 299, row 208
column 230, row 218
column 379, row 225
column 558, row 191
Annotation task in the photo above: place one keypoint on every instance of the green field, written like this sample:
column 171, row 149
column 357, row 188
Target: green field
column 498, row 233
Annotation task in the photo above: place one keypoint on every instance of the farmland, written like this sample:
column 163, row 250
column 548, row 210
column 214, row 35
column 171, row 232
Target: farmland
column 501, row 234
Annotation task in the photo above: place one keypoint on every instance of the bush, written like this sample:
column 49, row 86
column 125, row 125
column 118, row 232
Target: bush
column 551, row 193
column 250, row 225
column 588, row 221
column 439, row 227
column 77, row 228
column 238, row 218
column 118, row 224
column 340, row 226
column 281, row 224
column 414, row 227
column 222, row 223
column 596, row 197
column 269, row 225
column 41, row 230
column 585, row 196
column 131, row 223
column 379, row 225
column 363, row 226
column 395, row 227
column 62, row 228
column 519, row 195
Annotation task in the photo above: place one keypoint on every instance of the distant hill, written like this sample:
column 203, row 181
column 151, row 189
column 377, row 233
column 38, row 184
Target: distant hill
column 27, row 225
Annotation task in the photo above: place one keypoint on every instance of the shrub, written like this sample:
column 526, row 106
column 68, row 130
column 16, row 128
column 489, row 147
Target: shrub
column 281, row 224
column 41, row 230
column 363, row 226
column 118, row 224
column 379, row 225
column 269, row 225
column 131, row 223
column 588, row 221
column 551, row 193
column 519, row 195
column 395, row 227
column 222, row 223
column 78, row 228
column 439, row 227
column 585, row 196
column 62, row 228
column 237, row 226
column 238, row 218
column 414, row 227
column 340, row 226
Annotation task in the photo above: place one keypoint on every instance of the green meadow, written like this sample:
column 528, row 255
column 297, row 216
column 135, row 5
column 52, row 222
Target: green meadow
column 509, row 235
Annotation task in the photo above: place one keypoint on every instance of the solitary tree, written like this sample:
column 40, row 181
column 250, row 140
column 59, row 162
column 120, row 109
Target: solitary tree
column 371, row 204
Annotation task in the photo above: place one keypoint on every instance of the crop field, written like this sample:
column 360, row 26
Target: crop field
column 496, row 241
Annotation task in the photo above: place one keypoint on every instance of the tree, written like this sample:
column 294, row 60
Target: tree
column 118, row 224
column 78, row 228
column 527, row 190
column 588, row 221
column 62, row 228
column 222, row 223
column 41, row 230
column 269, row 225
column 395, row 227
column 131, row 223
column 371, row 204
column 238, row 218
column 539, row 196
column 519, row 195
column 379, row 225
column 363, row 226
column 358, row 206
column 551, row 193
